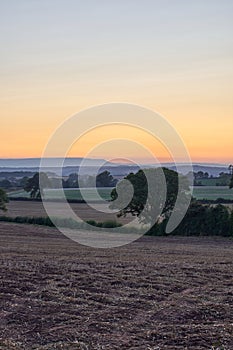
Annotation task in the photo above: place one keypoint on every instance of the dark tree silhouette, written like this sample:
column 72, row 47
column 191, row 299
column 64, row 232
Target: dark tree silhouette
column 231, row 183
column 36, row 184
column 105, row 179
column 3, row 200
column 5, row 184
column 71, row 182
column 231, row 172
column 147, row 202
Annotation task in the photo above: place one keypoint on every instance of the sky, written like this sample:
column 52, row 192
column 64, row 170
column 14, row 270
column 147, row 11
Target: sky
column 173, row 56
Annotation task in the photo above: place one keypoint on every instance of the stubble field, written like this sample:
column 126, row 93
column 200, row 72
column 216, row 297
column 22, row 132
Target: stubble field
column 36, row 209
column 156, row 293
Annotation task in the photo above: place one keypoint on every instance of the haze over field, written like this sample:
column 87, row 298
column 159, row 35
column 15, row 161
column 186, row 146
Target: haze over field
column 115, row 168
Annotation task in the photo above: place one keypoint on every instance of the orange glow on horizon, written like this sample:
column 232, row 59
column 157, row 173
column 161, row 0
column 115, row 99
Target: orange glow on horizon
column 177, row 62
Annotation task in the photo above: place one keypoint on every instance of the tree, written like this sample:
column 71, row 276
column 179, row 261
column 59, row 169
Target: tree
column 23, row 181
column 231, row 183
column 35, row 184
column 71, row 182
column 3, row 200
column 149, row 202
column 194, row 222
column 105, row 179
column 199, row 175
column 223, row 179
column 202, row 220
column 5, row 184
column 231, row 173
column 230, row 168
column 218, row 220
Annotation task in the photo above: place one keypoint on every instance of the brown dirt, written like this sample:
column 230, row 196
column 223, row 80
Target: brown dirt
column 24, row 208
column 157, row 293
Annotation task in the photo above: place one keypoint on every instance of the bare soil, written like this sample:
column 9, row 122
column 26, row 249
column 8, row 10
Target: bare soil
column 156, row 293
column 85, row 212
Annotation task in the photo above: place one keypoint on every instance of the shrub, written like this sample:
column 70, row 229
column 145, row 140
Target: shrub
column 111, row 224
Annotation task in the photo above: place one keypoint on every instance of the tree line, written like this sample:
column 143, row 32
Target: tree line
column 201, row 178
column 104, row 179
column 200, row 219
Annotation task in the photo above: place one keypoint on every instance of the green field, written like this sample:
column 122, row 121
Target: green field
column 18, row 193
column 212, row 192
column 72, row 194
column 199, row 192
column 215, row 181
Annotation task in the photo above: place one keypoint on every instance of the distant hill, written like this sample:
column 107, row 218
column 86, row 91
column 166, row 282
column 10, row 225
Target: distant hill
column 71, row 165
column 212, row 169
column 35, row 162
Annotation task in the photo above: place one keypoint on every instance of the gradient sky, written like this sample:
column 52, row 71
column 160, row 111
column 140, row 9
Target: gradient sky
column 173, row 56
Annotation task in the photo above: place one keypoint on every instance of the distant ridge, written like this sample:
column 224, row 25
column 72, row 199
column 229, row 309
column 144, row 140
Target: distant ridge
column 72, row 165
column 35, row 162
column 76, row 161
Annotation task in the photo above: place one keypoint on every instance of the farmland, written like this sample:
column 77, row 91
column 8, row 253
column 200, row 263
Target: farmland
column 157, row 293
column 199, row 192
column 36, row 209
column 73, row 194
column 212, row 192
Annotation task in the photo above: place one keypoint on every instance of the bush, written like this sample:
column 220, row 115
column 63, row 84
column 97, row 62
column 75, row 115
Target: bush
column 105, row 224
column 201, row 220
column 92, row 223
column 111, row 224
column 43, row 221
